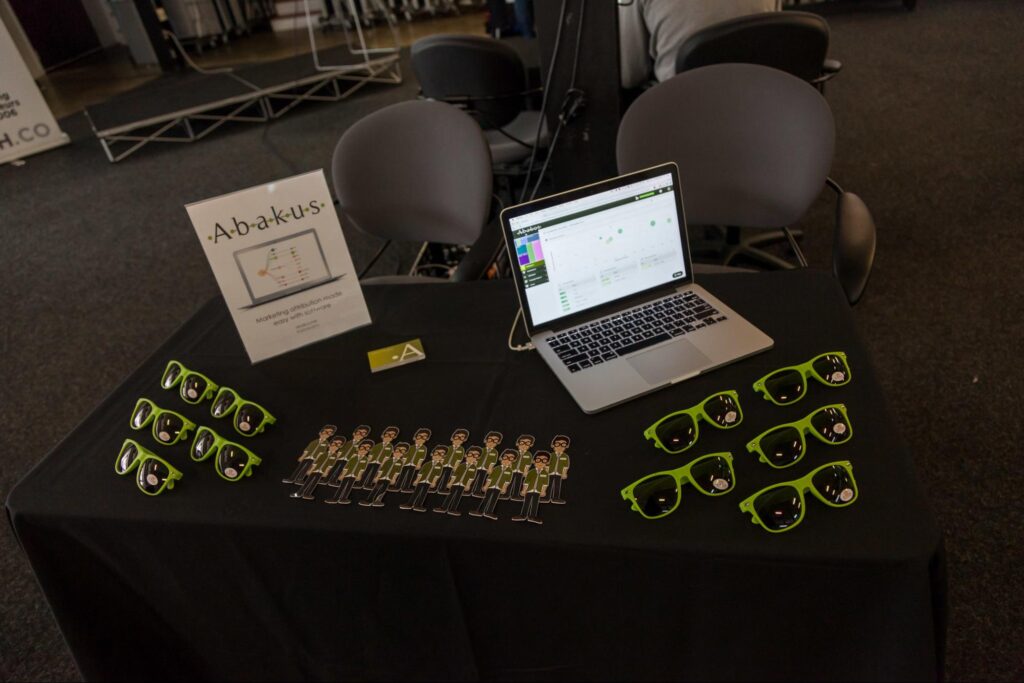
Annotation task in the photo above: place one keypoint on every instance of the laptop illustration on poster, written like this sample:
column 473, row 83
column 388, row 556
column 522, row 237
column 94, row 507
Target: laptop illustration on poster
column 282, row 267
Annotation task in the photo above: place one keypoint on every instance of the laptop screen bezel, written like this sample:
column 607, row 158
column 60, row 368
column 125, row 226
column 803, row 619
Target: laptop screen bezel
column 604, row 309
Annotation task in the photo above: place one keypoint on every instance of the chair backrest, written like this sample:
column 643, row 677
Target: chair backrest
column 487, row 72
column 795, row 42
column 417, row 171
column 754, row 145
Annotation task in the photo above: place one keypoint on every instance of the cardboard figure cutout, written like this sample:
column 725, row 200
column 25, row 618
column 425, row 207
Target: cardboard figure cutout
column 333, row 477
column 425, row 479
column 497, row 485
column 354, row 468
column 378, row 454
column 465, row 474
column 413, row 460
column 558, row 470
column 386, row 477
column 452, row 458
column 488, row 460
column 321, row 466
column 535, row 485
column 309, row 454
column 524, row 459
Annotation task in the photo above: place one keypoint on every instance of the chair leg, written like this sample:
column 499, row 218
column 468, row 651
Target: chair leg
column 750, row 245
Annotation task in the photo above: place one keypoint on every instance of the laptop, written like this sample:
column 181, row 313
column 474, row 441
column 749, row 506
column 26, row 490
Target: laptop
column 281, row 267
column 605, row 281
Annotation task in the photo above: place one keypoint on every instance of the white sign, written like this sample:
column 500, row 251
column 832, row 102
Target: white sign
column 26, row 124
column 282, row 264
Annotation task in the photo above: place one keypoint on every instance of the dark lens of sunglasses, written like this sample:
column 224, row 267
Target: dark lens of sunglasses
column 831, row 424
column 152, row 475
column 712, row 474
column 779, row 508
column 782, row 446
column 170, row 375
column 785, row 386
column 249, row 418
column 167, row 427
column 835, row 485
column 202, row 444
column 677, row 433
column 225, row 399
column 832, row 369
column 657, row 495
column 142, row 411
column 128, row 456
column 723, row 410
column 231, row 461
column 193, row 388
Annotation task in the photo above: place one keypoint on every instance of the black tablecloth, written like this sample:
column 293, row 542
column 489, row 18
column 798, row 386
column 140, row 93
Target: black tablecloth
column 239, row 581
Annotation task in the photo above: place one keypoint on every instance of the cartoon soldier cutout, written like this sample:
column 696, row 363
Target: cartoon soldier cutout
column 321, row 466
column 558, row 470
column 535, row 485
column 426, row 478
column 488, row 460
column 388, row 474
column 333, row 478
column 354, row 468
column 497, row 484
column 413, row 460
column 452, row 458
column 524, row 458
column 378, row 455
column 465, row 474
column 309, row 454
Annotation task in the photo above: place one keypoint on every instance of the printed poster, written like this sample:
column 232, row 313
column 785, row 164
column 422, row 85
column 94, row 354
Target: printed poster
column 282, row 264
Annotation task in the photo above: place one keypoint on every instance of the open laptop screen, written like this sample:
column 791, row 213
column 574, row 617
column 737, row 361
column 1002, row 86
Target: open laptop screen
column 598, row 248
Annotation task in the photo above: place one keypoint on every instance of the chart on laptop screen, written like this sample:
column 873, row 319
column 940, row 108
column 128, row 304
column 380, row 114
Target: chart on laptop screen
column 623, row 241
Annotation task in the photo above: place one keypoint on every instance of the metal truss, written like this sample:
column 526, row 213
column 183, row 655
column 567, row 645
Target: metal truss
column 258, row 106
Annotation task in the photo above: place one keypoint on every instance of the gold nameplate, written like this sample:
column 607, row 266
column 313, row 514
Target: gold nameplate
column 393, row 356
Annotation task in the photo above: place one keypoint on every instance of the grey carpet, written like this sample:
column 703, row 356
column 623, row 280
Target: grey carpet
column 100, row 264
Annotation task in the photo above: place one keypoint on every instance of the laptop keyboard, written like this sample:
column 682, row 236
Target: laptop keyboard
column 623, row 333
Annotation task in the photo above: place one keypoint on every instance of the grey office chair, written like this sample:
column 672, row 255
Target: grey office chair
column 754, row 147
column 795, row 42
column 487, row 78
column 417, row 171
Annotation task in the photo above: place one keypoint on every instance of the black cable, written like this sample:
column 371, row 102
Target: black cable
column 572, row 101
column 544, row 97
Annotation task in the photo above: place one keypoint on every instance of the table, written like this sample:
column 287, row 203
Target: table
column 238, row 581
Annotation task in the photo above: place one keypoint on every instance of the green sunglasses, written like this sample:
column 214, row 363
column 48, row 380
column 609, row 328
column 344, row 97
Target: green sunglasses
column 780, row 507
column 195, row 387
column 788, row 385
column 784, row 445
column 657, row 495
column 169, row 427
column 678, row 431
column 233, row 460
column 250, row 418
column 154, row 476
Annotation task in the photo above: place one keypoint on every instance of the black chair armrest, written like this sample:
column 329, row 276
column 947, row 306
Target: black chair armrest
column 853, row 250
column 829, row 69
column 832, row 66
column 475, row 264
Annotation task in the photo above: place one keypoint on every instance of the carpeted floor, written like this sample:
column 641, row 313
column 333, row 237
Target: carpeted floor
column 100, row 264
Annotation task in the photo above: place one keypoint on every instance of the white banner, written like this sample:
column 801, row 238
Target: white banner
column 26, row 124
column 281, row 261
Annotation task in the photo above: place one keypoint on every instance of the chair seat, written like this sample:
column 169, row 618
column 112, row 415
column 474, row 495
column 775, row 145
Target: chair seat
column 505, row 150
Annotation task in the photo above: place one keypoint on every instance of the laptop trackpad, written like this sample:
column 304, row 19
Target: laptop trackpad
column 668, row 362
